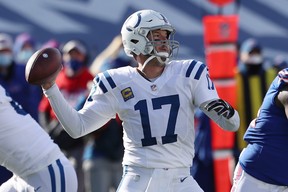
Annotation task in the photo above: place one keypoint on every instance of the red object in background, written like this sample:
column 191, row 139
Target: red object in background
column 220, row 39
column 223, row 172
column 221, row 3
column 221, row 61
column 221, row 139
column 220, row 29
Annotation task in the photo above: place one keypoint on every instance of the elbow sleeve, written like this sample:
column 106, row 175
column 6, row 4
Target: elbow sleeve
column 222, row 113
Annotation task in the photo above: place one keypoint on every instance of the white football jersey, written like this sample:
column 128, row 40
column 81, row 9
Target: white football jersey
column 158, row 117
column 25, row 147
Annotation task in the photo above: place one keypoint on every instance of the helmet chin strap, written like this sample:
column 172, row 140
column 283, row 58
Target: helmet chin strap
column 148, row 60
column 159, row 57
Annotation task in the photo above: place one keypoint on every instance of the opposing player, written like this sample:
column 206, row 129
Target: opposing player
column 28, row 152
column 155, row 101
column 262, row 165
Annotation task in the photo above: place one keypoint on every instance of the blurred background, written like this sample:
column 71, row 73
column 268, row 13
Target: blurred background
column 230, row 36
column 96, row 22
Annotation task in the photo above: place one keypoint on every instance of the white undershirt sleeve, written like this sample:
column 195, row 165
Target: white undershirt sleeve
column 231, row 124
column 76, row 123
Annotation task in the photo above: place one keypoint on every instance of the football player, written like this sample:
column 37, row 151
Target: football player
column 156, row 102
column 27, row 150
column 262, row 165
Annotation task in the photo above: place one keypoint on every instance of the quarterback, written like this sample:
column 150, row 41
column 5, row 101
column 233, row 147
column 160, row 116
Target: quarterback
column 156, row 103
column 27, row 150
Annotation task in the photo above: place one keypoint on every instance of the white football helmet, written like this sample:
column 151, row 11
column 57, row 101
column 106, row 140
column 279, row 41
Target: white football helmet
column 136, row 28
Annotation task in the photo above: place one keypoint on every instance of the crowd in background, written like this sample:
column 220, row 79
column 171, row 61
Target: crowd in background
column 97, row 157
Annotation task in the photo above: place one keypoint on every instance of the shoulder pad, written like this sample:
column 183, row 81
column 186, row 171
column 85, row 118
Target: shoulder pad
column 104, row 81
column 195, row 69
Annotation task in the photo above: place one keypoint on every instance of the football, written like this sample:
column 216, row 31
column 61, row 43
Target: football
column 43, row 66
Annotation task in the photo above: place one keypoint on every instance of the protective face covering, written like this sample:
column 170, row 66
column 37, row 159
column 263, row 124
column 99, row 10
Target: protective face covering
column 74, row 64
column 255, row 60
column 5, row 59
column 23, row 56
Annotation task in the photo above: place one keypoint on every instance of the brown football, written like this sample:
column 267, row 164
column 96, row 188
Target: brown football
column 43, row 66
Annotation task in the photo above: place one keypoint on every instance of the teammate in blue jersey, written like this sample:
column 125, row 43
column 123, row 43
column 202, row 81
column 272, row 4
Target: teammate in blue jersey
column 27, row 150
column 156, row 102
column 263, row 164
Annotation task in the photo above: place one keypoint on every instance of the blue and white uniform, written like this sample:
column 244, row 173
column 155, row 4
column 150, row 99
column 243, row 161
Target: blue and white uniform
column 266, row 155
column 158, row 116
column 28, row 151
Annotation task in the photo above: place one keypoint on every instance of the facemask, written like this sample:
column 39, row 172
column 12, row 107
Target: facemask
column 75, row 65
column 5, row 59
column 255, row 60
column 23, row 56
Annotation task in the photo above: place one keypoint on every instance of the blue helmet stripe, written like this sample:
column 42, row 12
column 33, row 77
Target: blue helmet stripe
column 164, row 18
column 138, row 22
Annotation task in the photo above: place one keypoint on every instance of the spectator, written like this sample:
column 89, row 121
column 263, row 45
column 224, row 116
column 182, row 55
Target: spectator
column 51, row 43
column 279, row 63
column 253, row 79
column 72, row 81
column 24, row 47
column 12, row 78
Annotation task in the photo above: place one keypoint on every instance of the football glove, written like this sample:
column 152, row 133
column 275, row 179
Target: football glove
column 221, row 107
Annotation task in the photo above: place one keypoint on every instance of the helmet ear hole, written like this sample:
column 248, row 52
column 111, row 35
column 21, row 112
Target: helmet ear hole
column 135, row 41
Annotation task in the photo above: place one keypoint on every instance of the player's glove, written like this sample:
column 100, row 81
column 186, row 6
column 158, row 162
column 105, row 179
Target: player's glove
column 221, row 107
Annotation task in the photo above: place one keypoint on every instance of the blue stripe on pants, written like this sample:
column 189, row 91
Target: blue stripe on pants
column 53, row 178
column 62, row 175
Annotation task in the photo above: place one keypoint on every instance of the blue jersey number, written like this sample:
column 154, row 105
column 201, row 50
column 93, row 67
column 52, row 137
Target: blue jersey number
column 157, row 103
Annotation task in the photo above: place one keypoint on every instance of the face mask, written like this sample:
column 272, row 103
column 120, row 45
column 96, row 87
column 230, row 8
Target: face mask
column 75, row 65
column 5, row 59
column 255, row 60
column 23, row 56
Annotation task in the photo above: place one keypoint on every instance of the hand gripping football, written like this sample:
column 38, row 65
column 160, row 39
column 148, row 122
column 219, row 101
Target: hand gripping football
column 43, row 66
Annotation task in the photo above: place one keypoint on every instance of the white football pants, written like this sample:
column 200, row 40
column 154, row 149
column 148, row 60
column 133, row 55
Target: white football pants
column 243, row 182
column 59, row 176
column 138, row 179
